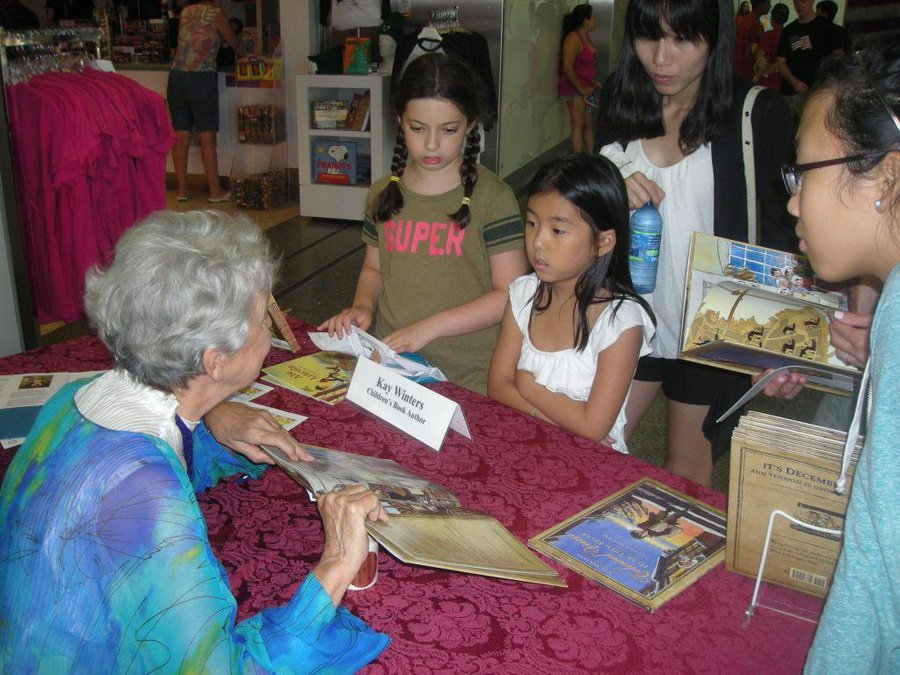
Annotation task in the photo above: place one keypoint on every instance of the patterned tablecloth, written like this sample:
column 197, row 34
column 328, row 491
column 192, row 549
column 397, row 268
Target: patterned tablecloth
column 529, row 475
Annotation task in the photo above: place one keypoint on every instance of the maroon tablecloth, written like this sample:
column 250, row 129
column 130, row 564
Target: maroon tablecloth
column 529, row 475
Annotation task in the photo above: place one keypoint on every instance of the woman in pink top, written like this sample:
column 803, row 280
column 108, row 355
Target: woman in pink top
column 193, row 90
column 576, row 80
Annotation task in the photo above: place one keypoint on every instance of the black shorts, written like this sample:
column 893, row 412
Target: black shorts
column 682, row 381
column 193, row 99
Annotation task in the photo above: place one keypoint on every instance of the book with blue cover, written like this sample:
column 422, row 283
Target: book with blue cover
column 334, row 161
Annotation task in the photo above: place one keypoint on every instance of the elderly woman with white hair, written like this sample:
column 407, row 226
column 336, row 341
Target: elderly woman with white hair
column 105, row 563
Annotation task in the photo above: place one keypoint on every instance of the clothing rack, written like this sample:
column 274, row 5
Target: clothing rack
column 63, row 41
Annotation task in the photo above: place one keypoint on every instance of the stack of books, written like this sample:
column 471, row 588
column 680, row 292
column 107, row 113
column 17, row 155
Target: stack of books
column 791, row 466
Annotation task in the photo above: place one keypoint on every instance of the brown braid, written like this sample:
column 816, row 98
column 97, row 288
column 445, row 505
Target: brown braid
column 468, row 173
column 390, row 201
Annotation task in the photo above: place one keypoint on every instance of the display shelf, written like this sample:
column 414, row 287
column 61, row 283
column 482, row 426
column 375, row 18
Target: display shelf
column 328, row 200
column 258, row 170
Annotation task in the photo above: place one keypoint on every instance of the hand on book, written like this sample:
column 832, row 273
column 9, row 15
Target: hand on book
column 850, row 337
column 344, row 513
column 784, row 386
column 411, row 338
column 244, row 429
column 341, row 323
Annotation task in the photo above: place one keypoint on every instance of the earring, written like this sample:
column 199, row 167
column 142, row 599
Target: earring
column 877, row 203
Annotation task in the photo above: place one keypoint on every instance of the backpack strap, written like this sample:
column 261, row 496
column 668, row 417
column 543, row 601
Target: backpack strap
column 749, row 166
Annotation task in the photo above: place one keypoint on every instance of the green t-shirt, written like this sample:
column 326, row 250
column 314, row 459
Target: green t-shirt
column 429, row 265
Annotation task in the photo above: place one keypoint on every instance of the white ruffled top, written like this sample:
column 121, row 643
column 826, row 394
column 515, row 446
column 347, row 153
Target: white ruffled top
column 568, row 371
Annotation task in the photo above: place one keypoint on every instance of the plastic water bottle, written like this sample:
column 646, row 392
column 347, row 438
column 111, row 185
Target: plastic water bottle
column 643, row 256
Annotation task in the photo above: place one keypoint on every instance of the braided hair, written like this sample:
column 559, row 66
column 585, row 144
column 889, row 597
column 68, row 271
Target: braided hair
column 450, row 79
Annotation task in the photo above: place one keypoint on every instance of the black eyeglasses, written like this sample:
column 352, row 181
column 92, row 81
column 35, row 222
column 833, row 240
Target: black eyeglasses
column 792, row 174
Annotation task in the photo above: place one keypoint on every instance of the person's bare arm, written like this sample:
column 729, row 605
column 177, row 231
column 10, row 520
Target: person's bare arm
column 224, row 27
column 365, row 301
column 798, row 85
column 595, row 417
column 482, row 312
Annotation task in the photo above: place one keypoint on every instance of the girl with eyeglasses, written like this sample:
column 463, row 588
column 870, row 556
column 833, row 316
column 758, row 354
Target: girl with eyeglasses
column 672, row 123
column 845, row 190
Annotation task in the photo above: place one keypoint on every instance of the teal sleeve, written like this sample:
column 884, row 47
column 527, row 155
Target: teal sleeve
column 213, row 461
column 173, row 600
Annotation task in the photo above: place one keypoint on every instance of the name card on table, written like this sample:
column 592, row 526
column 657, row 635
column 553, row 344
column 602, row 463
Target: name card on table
column 423, row 414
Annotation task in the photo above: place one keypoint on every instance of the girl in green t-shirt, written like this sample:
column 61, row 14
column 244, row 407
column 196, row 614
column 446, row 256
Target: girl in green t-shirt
column 443, row 234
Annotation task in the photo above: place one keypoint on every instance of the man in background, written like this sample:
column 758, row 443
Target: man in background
column 804, row 44
column 747, row 34
column 828, row 9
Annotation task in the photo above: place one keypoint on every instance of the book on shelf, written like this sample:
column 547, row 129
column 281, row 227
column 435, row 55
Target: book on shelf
column 427, row 525
column 748, row 308
column 329, row 114
column 793, row 467
column 352, row 110
column 646, row 542
column 334, row 161
column 280, row 325
column 360, row 120
column 324, row 376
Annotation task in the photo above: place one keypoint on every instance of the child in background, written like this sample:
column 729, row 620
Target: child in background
column 443, row 234
column 573, row 331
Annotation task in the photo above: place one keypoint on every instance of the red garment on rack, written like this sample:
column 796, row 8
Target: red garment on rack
column 89, row 154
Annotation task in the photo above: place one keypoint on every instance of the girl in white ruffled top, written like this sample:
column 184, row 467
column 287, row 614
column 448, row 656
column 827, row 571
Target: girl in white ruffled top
column 573, row 330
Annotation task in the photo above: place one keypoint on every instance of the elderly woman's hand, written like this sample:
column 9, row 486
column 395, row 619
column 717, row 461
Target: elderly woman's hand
column 344, row 513
column 244, row 429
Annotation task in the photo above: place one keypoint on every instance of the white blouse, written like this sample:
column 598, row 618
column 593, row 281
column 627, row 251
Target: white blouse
column 568, row 371
column 687, row 208
column 117, row 401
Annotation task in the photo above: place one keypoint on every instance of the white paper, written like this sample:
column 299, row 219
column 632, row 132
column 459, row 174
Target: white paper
column 423, row 414
column 30, row 389
column 286, row 419
column 7, row 443
column 361, row 344
column 252, row 391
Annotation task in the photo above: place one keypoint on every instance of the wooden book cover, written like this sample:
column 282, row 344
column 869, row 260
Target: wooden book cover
column 763, row 478
column 281, row 326
column 749, row 308
column 427, row 525
column 647, row 542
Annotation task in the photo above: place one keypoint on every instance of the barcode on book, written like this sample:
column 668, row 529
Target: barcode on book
column 805, row 577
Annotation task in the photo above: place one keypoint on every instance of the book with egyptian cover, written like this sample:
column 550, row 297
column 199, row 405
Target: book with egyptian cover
column 427, row 525
column 324, row 376
column 647, row 542
column 749, row 308
column 793, row 467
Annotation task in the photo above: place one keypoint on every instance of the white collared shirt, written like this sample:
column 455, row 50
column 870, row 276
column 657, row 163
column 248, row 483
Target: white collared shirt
column 117, row 401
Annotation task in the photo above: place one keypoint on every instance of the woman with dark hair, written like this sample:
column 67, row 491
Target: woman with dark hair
column 845, row 190
column 671, row 122
column 576, row 77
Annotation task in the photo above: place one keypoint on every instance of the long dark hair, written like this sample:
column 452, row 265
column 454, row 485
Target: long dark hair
column 635, row 107
column 594, row 186
column 449, row 79
column 576, row 18
column 858, row 117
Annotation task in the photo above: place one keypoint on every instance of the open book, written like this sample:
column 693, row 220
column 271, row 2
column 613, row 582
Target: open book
column 427, row 526
column 749, row 308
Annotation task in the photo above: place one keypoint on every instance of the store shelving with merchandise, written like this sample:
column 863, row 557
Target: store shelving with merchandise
column 258, row 171
column 344, row 153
